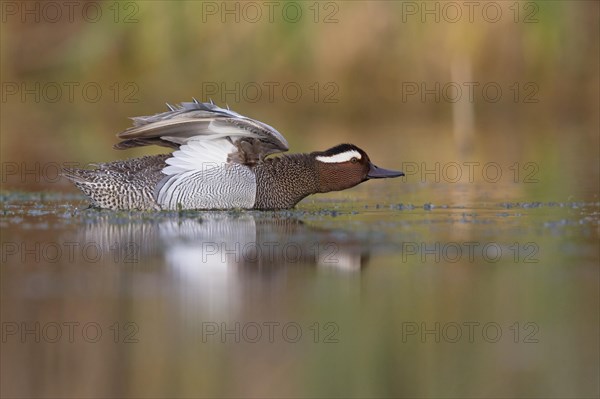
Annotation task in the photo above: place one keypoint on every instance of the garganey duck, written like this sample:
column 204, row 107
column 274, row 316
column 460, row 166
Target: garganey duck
column 220, row 162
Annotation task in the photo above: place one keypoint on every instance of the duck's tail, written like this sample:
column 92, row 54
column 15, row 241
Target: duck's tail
column 85, row 180
column 77, row 176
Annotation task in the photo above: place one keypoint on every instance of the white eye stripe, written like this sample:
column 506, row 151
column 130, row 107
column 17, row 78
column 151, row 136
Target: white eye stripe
column 337, row 158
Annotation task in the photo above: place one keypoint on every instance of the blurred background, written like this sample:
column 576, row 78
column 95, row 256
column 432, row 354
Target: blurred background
column 408, row 81
column 421, row 86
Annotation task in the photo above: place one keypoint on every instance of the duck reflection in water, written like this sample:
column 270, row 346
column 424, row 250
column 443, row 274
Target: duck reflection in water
column 214, row 262
column 245, row 242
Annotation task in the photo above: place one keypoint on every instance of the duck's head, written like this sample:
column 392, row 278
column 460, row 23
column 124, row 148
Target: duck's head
column 345, row 166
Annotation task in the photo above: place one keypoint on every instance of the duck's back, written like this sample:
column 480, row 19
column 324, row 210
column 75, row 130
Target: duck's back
column 141, row 184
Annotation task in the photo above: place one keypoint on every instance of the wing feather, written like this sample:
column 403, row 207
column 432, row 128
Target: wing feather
column 200, row 121
column 199, row 155
column 207, row 138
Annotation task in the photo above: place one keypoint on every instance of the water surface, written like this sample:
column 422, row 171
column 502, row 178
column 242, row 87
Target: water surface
column 350, row 294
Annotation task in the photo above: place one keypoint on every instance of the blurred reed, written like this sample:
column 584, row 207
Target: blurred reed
column 364, row 60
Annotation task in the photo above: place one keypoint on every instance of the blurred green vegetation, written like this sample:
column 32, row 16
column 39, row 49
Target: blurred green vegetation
column 360, row 54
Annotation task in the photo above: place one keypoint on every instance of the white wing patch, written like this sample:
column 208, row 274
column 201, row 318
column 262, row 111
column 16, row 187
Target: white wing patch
column 199, row 154
column 205, row 151
column 338, row 158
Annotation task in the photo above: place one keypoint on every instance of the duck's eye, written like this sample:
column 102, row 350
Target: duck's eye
column 354, row 160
